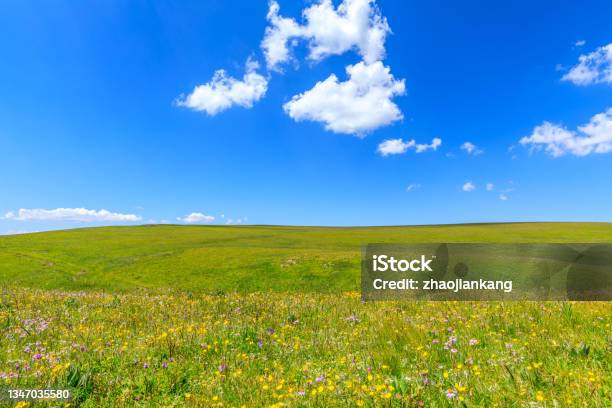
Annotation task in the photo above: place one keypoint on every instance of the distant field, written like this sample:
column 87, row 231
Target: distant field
column 160, row 324
column 236, row 258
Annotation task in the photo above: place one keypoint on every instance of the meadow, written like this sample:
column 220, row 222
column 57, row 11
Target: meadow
column 270, row 316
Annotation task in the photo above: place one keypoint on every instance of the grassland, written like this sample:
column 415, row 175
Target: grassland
column 244, row 259
column 269, row 316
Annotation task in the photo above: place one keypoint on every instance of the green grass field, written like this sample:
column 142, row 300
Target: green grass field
column 244, row 259
column 211, row 316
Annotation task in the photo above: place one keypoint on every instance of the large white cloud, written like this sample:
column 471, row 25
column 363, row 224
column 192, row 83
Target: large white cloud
column 70, row 214
column 592, row 137
column 223, row 92
column 196, row 218
column 356, row 106
column 398, row 146
column 353, row 25
column 592, row 68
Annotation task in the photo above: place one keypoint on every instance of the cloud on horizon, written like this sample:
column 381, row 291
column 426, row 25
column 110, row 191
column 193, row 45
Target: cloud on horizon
column 70, row 214
column 196, row 218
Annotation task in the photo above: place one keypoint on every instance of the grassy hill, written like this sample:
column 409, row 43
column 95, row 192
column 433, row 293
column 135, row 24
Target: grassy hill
column 242, row 258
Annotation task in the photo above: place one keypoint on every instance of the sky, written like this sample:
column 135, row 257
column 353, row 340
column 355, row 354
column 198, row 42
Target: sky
column 304, row 112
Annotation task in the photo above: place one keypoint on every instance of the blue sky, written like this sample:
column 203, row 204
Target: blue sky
column 97, row 112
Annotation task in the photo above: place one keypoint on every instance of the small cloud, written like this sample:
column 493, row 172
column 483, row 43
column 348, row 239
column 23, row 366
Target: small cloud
column 412, row 187
column 557, row 140
column 398, row 146
column 223, row 92
column 196, row 218
column 16, row 232
column 435, row 143
column 490, row 186
column 592, row 68
column 580, row 43
column 70, row 214
column 236, row 221
column 503, row 197
column 468, row 186
column 471, row 148
column 560, row 67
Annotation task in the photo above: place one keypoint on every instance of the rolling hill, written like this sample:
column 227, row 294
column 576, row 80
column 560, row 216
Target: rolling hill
column 236, row 258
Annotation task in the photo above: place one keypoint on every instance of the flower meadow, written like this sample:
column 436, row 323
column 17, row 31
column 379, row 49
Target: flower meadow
column 173, row 348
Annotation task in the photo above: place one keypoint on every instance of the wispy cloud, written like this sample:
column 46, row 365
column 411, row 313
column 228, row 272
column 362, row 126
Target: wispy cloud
column 231, row 221
column 592, row 68
column 70, row 214
column 471, row 148
column 196, row 218
column 489, row 186
column 399, row 146
column 468, row 186
column 592, row 137
column 412, row 187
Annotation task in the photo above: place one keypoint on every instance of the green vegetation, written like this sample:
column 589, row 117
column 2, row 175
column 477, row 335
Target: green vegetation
column 244, row 258
column 257, row 316
column 304, row 350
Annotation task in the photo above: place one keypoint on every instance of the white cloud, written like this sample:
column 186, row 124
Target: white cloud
column 503, row 197
column 468, row 186
column 69, row 214
column 592, row 68
column 398, row 146
column 580, row 43
column 196, row 218
column 556, row 140
column 231, row 221
column 16, row 232
column 394, row 146
column 490, row 186
column 471, row 148
column 223, row 92
column 356, row 106
column 353, row 25
column 412, row 187
column 435, row 143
